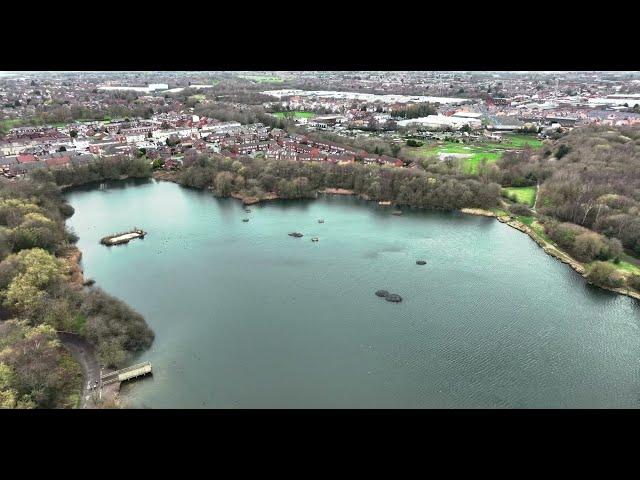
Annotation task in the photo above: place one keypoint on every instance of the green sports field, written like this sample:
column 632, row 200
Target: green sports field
column 491, row 152
column 294, row 114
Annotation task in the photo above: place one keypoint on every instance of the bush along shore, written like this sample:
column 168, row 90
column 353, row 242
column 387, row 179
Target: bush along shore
column 600, row 273
column 42, row 295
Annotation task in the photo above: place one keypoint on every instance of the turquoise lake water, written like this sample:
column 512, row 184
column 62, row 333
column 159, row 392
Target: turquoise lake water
column 246, row 316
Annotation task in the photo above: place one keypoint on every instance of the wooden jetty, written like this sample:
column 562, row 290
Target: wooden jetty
column 127, row 373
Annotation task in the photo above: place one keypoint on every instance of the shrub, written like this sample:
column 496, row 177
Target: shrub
column 114, row 327
column 605, row 274
column 634, row 282
column 520, row 209
column 588, row 246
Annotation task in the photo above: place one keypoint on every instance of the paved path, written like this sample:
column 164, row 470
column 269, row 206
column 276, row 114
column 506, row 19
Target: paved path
column 84, row 354
column 535, row 203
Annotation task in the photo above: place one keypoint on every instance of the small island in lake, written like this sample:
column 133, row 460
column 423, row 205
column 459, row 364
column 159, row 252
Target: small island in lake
column 120, row 238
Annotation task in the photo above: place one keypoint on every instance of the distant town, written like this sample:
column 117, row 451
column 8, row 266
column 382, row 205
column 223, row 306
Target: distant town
column 61, row 121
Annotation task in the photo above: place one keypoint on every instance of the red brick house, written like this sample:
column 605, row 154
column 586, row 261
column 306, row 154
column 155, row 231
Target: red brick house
column 26, row 158
column 58, row 162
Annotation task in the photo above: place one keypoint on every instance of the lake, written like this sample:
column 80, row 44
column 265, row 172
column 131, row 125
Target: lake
column 246, row 316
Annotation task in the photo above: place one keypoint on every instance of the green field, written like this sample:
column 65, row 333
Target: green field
column 526, row 195
column 489, row 151
column 517, row 141
column 470, row 165
column 627, row 267
column 294, row 114
column 8, row 124
column 528, row 221
column 262, row 78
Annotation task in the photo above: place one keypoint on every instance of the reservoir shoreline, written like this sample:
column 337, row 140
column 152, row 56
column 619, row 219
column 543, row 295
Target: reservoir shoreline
column 549, row 249
column 216, row 347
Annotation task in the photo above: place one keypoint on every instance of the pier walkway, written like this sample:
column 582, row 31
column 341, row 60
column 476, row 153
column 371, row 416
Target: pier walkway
column 126, row 373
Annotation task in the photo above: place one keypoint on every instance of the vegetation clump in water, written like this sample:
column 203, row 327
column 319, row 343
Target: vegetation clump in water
column 421, row 262
column 382, row 293
column 120, row 238
column 393, row 297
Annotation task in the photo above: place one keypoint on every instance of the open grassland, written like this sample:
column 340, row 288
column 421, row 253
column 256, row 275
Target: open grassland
column 627, row 267
column 526, row 195
column 294, row 114
column 8, row 124
column 517, row 141
column 470, row 165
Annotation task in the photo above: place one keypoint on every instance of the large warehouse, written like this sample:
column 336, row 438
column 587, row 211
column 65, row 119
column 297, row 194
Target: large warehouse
column 441, row 121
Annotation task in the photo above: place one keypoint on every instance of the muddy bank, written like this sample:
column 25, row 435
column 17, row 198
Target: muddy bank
column 73, row 257
column 337, row 191
column 166, row 176
column 478, row 212
column 251, row 200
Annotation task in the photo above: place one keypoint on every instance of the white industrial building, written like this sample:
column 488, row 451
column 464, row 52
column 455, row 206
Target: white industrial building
column 475, row 115
column 441, row 121
column 152, row 87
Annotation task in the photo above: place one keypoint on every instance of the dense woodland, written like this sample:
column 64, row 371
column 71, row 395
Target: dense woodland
column 412, row 187
column 112, row 168
column 589, row 177
column 38, row 298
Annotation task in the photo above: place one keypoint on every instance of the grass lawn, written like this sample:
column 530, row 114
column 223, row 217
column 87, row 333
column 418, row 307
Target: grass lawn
column 472, row 164
column 539, row 229
column 517, row 141
column 8, row 124
column 262, row 78
column 526, row 220
column 627, row 267
column 469, row 165
column 294, row 114
column 499, row 212
column 526, row 195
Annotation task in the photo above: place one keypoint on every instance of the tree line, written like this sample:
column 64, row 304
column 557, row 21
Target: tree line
column 411, row 187
column 589, row 177
column 39, row 298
